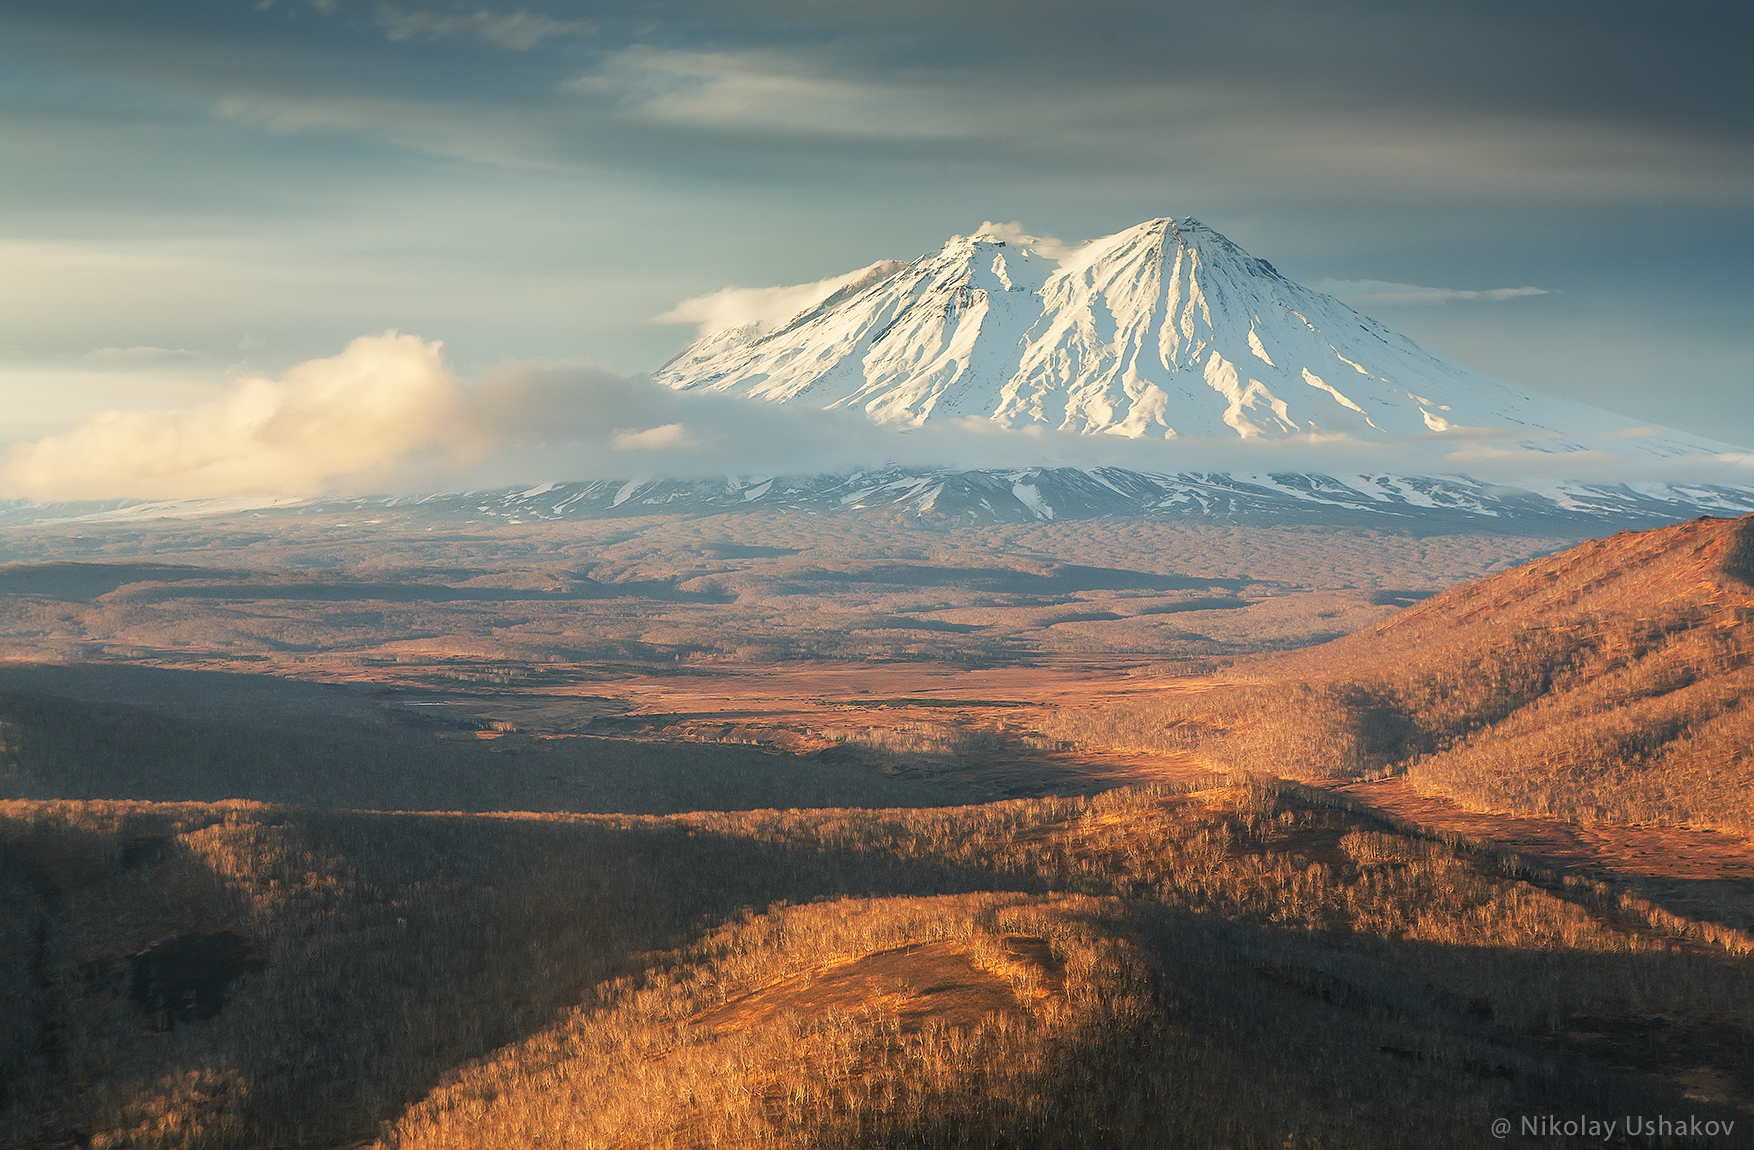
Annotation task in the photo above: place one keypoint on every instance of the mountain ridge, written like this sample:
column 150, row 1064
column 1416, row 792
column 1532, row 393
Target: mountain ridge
column 1014, row 495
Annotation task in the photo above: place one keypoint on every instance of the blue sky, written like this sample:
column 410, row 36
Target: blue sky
column 194, row 193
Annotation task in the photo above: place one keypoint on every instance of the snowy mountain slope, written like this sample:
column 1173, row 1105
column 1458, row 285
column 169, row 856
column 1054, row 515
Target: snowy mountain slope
column 1166, row 329
column 947, row 496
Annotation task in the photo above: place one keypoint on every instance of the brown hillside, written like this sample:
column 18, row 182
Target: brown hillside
column 1604, row 682
column 1682, row 576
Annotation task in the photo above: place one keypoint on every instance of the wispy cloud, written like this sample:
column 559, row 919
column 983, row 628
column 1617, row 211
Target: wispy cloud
column 774, row 92
column 1377, row 293
column 481, row 133
column 1015, row 233
column 761, row 309
column 519, row 31
column 133, row 358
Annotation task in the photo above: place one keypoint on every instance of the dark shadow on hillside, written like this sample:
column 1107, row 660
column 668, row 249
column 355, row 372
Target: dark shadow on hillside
column 1490, row 1031
column 1064, row 579
column 579, row 590
column 143, row 583
column 83, row 582
column 182, row 691
column 390, row 758
column 1739, row 558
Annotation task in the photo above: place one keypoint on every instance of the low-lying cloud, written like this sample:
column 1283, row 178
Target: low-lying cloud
column 1376, row 293
column 386, row 415
column 381, row 403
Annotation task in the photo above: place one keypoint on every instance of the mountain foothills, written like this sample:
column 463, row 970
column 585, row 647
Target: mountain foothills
column 951, row 497
column 1610, row 681
column 1232, row 958
column 1165, row 330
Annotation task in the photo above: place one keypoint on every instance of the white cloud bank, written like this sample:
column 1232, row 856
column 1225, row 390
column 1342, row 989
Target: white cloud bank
column 386, row 415
column 381, row 402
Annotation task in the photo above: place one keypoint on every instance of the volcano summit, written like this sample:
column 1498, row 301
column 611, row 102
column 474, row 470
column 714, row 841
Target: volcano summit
column 1165, row 330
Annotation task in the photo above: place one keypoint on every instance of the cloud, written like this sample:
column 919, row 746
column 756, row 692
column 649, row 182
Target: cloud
column 519, row 30
column 386, row 415
column 669, row 435
column 1377, row 293
column 131, row 358
column 1014, row 233
column 382, row 401
column 773, row 92
column 762, row 309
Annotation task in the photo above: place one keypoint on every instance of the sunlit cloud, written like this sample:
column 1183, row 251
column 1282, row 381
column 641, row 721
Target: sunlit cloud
column 382, row 400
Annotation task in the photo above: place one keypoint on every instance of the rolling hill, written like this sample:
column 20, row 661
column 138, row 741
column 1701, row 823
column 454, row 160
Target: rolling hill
column 1608, row 681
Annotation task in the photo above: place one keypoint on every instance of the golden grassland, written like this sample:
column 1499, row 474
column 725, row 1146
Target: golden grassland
column 1608, row 682
column 1238, row 965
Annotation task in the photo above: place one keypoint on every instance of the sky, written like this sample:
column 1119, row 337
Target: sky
column 201, row 195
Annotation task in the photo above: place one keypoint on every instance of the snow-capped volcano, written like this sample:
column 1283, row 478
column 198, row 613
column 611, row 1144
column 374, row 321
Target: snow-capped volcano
column 1164, row 330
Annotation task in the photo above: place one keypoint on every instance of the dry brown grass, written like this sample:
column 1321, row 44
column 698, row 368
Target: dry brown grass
column 665, row 1064
column 1606, row 682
